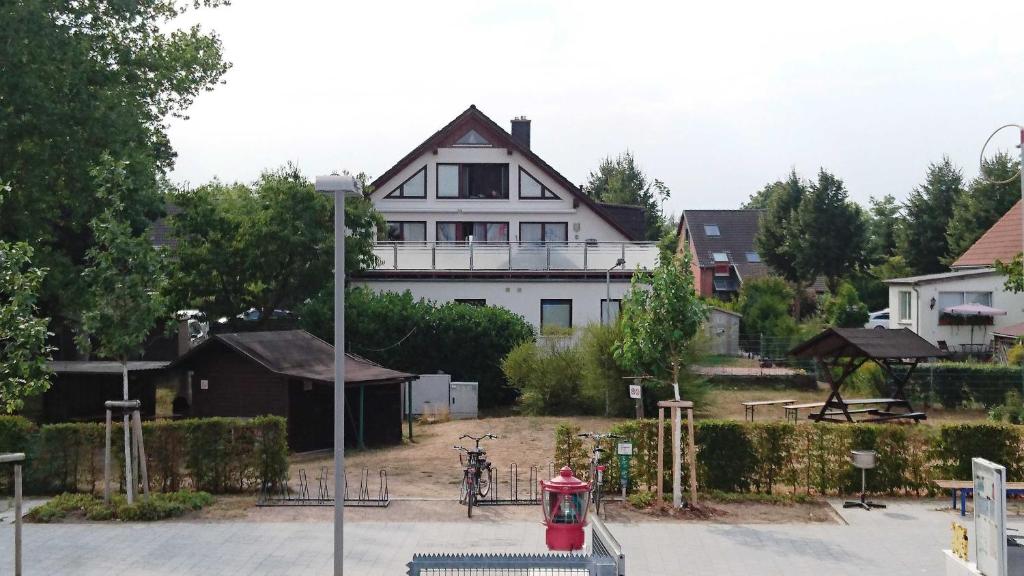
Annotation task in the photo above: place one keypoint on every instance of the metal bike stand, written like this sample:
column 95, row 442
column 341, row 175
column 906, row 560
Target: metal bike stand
column 16, row 458
column 863, row 459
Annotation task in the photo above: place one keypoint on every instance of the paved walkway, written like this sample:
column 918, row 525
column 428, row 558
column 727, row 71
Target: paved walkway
column 905, row 539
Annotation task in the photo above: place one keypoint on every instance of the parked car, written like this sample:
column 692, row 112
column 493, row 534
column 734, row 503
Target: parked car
column 878, row 320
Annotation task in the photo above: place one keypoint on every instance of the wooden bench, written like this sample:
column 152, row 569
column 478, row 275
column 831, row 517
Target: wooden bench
column 793, row 410
column 965, row 486
column 750, row 405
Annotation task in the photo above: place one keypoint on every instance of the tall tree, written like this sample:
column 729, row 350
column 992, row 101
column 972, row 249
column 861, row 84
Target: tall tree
column 927, row 211
column 773, row 239
column 984, row 204
column 78, row 79
column 620, row 180
column 830, row 235
column 23, row 349
column 884, row 223
column 266, row 246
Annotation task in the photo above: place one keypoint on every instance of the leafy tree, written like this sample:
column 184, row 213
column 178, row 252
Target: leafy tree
column 773, row 240
column 603, row 385
column 922, row 239
column 124, row 275
column 266, row 246
column 759, row 200
column 78, row 79
column 659, row 324
column 23, row 349
column 983, row 204
column 844, row 309
column 870, row 283
column 1014, row 276
column 767, row 325
column 620, row 180
column 884, row 223
column 829, row 236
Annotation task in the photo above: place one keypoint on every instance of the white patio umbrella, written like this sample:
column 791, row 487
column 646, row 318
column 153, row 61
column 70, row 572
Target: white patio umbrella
column 974, row 310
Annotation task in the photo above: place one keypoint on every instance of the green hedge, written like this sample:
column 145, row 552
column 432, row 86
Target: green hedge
column 217, row 455
column 810, row 458
column 952, row 384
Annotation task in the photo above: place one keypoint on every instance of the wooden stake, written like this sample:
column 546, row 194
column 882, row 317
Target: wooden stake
column 692, row 456
column 17, row 519
column 661, row 453
column 106, row 464
column 128, row 481
column 142, row 453
column 677, row 465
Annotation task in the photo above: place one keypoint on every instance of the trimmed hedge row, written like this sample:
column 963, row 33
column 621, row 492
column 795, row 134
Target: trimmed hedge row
column 812, row 458
column 954, row 383
column 216, row 455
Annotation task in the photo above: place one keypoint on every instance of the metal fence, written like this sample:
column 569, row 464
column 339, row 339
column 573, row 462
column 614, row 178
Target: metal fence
column 511, row 493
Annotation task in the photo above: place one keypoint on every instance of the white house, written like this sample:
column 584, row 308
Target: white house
column 474, row 215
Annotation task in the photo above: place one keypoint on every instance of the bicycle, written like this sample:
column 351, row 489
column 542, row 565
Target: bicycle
column 596, row 468
column 474, row 485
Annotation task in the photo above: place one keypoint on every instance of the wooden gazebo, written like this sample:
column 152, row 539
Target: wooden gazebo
column 896, row 352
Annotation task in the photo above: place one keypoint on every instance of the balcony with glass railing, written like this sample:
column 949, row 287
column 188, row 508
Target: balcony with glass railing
column 514, row 256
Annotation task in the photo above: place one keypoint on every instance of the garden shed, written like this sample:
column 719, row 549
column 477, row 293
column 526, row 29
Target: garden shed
column 290, row 373
column 80, row 387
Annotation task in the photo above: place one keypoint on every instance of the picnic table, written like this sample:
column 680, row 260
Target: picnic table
column 965, row 486
column 750, row 405
column 793, row 410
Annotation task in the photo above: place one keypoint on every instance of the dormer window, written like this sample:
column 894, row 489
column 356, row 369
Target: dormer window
column 414, row 187
column 712, row 230
column 472, row 138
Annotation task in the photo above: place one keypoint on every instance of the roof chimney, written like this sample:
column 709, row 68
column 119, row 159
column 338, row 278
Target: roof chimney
column 521, row 131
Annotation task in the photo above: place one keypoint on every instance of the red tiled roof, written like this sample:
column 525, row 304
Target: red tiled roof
column 1001, row 242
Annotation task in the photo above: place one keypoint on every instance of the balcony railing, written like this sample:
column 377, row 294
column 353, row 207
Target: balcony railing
column 558, row 256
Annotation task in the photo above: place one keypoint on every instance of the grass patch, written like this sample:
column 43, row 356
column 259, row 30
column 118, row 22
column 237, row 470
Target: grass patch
column 759, row 498
column 157, row 507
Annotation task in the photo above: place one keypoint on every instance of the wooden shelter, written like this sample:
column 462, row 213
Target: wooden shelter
column 80, row 387
column 844, row 350
column 290, row 373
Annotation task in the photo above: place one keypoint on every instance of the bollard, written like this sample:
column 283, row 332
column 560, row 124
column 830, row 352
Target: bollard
column 16, row 459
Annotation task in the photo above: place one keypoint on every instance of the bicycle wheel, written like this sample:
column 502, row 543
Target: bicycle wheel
column 470, row 498
column 485, row 484
column 597, row 499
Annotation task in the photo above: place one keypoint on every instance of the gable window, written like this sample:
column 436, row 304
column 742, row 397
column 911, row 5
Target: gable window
column 477, row 181
column 407, row 231
column 753, row 257
column 720, row 257
column 610, row 310
column 555, row 314
column 472, row 138
column 711, row 230
column 904, row 306
column 543, row 231
column 531, row 189
column 414, row 187
column 480, row 231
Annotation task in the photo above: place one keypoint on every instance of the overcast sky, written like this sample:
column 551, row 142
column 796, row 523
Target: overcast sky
column 714, row 99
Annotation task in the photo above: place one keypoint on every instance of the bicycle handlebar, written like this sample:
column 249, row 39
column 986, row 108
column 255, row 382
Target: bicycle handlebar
column 478, row 438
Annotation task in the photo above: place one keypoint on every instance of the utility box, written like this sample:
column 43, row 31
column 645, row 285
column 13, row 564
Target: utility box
column 463, row 400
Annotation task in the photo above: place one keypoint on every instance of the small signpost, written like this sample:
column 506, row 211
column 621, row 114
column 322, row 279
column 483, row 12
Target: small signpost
column 625, row 451
column 635, row 391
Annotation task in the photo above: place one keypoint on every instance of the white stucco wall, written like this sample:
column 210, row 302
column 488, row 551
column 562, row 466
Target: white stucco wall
column 925, row 320
column 583, row 223
column 519, row 296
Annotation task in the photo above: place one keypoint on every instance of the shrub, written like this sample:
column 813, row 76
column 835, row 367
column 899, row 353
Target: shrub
column 1015, row 355
column 641, row 500
column 956, row 383
column 844, row 309
column 156, row 507
column 602, row 380
column 547, row 377
column 727, row 459
column 765, row 305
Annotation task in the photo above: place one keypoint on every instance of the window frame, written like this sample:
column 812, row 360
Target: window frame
column 549, row 301
column 725, row 260
column 543, row 232
column 544, row 190
column 400, row 189
column 402, row 224
column 618, row 310
column 461, row 184
column 755, row 260
column 463, row 223
column 718, row 231
column 899, row 307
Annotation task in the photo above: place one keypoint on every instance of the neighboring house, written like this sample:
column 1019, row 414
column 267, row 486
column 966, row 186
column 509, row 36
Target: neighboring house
column 290, row 373
column 919, row 302
column 722, row 251
column 1000, row 242
column 474, row 215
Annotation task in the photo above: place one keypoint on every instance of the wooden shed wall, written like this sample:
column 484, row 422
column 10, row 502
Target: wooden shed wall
column 238, row 386
column 77, row 397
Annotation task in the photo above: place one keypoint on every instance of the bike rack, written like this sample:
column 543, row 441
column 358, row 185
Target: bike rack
column 284, row 496
column 515, row 497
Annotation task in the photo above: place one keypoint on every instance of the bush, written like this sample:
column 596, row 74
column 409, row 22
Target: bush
column 765, row 304
column 1015, row 355
column 402, row 333
column 157, row 507
column 547, row 377
column 844, row 309
column 956, row 383
column 602, row 376
column 641, row 500
column 216, row 454
column 727, row 459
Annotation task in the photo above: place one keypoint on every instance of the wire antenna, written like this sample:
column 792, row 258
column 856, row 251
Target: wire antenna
column 981, row 157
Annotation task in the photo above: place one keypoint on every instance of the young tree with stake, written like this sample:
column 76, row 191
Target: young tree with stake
column 123, row 278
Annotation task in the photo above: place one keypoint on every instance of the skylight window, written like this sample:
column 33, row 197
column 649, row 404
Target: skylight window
column 720, row 256
column 753, row 257
column 711, row 230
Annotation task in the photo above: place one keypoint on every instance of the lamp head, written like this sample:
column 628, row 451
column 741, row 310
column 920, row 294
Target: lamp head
column 337, row 183
column 620, row 262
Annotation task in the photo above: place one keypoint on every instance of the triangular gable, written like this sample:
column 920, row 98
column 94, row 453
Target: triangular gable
column 531, row 188
column 474, row 119
column 472, row 138
column 414, row 187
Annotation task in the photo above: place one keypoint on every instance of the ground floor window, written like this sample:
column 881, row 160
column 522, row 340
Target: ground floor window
column 555, row 314
column 610, row 310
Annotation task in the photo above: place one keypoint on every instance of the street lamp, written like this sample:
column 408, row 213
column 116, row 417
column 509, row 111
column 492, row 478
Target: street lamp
column 607, row 320
column 339, row 187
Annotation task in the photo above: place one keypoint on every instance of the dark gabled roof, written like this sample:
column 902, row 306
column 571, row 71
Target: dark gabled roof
column 630, row 218
column 737, row 228
column 472, row 116
column 299, row 354
column 867, row 343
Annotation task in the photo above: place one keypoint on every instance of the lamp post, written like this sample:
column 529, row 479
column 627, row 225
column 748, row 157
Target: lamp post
column 339, row 187
column 607, row 319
